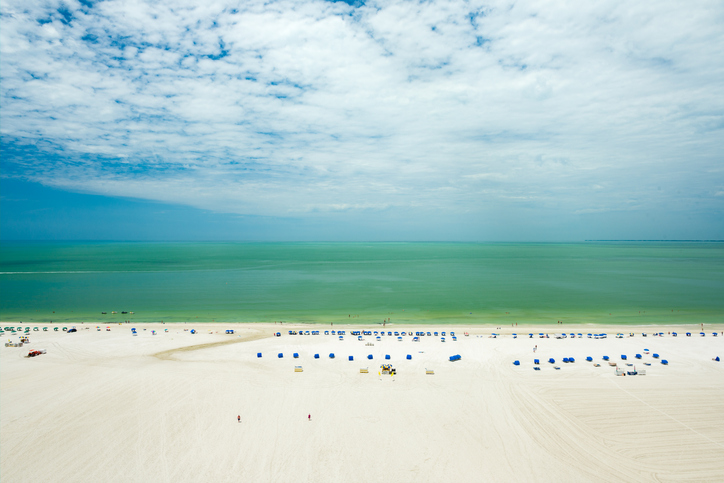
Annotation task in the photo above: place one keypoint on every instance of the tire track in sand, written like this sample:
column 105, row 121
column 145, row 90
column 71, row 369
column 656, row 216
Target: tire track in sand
column 167, row 355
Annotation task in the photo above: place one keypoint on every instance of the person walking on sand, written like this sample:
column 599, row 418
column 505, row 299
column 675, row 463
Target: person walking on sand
column 238, row 418
column 309, row 417
column 535, row 348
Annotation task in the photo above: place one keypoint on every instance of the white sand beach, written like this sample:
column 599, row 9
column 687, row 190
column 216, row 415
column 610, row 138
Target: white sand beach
column 110, row 406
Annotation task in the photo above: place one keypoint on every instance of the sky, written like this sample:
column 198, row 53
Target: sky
column 316, row 120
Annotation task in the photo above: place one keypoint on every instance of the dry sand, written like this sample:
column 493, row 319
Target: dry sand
column 109, row 406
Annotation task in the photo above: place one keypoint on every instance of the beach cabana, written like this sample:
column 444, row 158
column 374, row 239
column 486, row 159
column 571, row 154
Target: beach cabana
column 334, row 332
column 378, row 338
column 443, row 333
column 674, row 334
column 454, row 338
column 702, row 334
column 536, row 361
column 589, row 359
column 409, row 357
column 688, row 334
column 296, row 355
column 326, row 332
column 665, row 362
column 387, row 357
column 435, row 334
column 530, row 336
column 452, row 333
column 193, row 331
column 331, row 355
column 400, row 339
column 351, row 358
column 369, row 356
column 45, row 329
column 552, row 360
column 280, row 355
column 277, row 334
column 258, row 354
column 316, row 356
column 605, row 358
column 516, row 363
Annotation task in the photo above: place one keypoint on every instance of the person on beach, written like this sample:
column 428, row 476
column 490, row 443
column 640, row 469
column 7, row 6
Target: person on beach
column 309, row 417
column 238, row 418
column 535, row 348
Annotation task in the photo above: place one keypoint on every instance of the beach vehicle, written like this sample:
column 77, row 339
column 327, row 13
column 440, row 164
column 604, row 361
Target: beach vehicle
column 387, row 369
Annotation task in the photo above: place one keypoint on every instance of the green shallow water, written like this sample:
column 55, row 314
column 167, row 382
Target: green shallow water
column 636, row 283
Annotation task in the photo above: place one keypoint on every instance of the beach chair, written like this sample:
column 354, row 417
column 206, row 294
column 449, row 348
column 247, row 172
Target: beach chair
column 429, row 372
column 364, row 370
column 298, row 369
column 596, row 365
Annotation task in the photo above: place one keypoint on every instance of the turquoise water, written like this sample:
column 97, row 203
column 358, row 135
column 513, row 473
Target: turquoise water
column 363, row 282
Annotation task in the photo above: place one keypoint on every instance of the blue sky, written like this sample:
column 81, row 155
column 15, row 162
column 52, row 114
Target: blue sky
column 365, row 121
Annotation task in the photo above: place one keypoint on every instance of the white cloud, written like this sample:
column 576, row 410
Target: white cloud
column 279, row 108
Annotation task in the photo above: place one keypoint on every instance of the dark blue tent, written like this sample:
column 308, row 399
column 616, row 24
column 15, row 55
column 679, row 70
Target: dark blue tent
column 351, row 358
column 656, row 356
column 638, row 356
column 664, row 362
column 674, row 334
column 409, row 357
column 296, row 355
column 589, row 358
column 258, row 354
column 387, row 357
column 565, row 359
column 516, row 363
column 331, row 355
column 688, row 334
column 717, row 358
column 552, row 360
column 623, row 357
column 605, row 358
column 280, row 355
column 369, row 356
column 571, row 359
column 316, row 356
column 536, row 361
column 455, row 358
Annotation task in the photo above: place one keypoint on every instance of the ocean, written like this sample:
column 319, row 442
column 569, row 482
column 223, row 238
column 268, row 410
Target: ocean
column 437, row 283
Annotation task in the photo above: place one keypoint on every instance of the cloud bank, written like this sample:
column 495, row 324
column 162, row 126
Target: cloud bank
column 311, row 108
